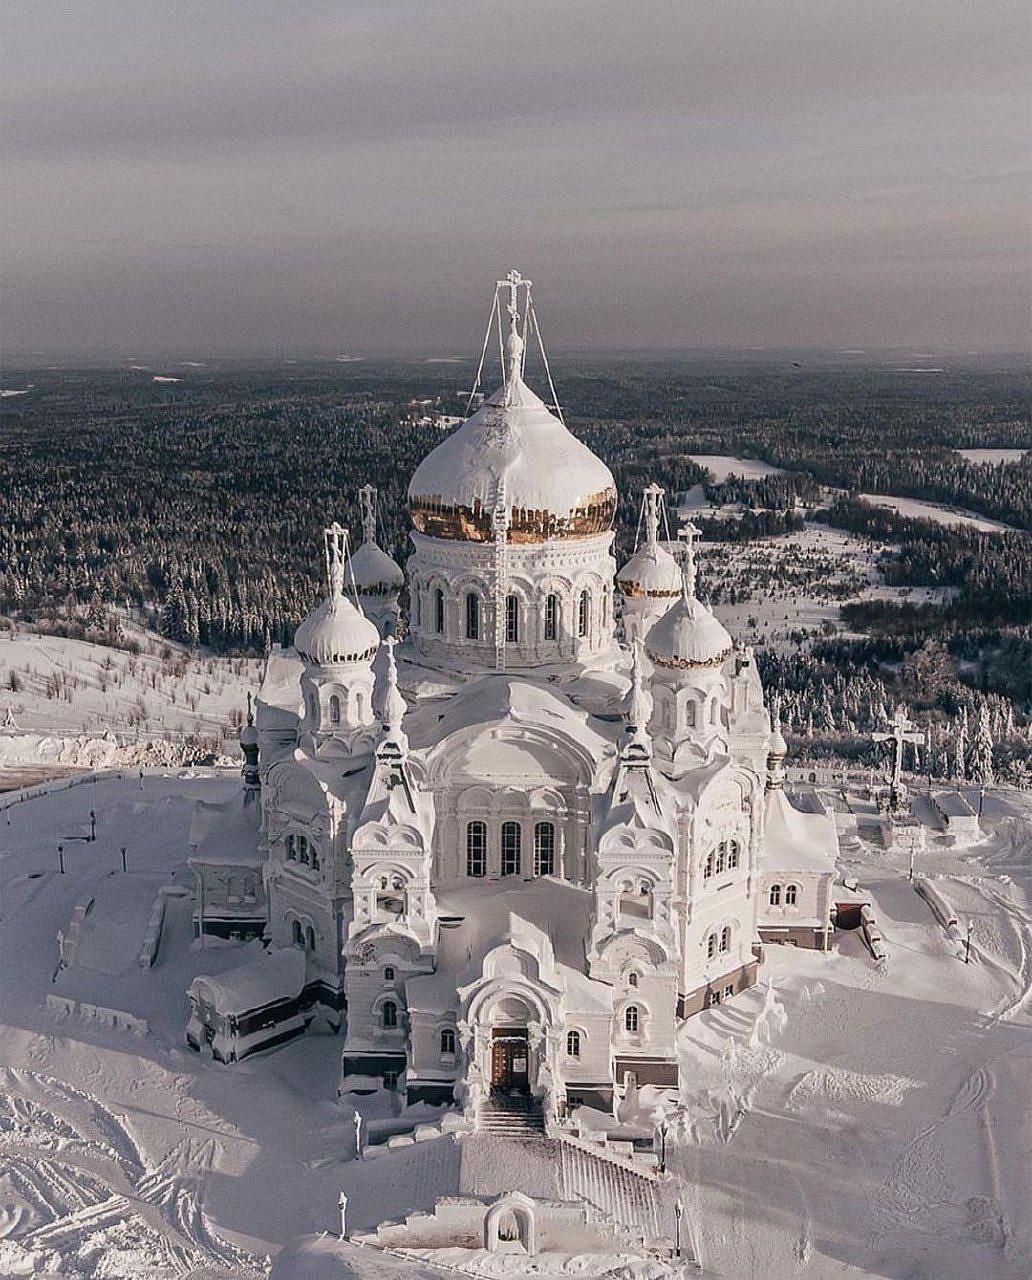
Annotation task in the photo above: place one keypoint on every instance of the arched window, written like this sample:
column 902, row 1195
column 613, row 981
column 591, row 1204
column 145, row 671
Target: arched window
column 721, row 857
column 313, row 852
column 448, row 1041
column 472, row 616
column 775, row 895
column 551, row 617
column 689, row 714
column 605, row 609
column 476, row 849
column 632, row 979
column 544, row 849
column 303, row 849
column 583, row 613
column 512, row 847
column 334, row 709
column 708, row 865
column 725, row 938
column 419, row 604
column 791, row 895
column 297, row 933
column 389, row 1014
column 630, row 1018
column 388, row 973
column 732, row 855
column 309, row 938
column 438, row 610
column 291, row 847
column 713, row 711
column 512, row 619
column 573, row 1044
column 711, row 946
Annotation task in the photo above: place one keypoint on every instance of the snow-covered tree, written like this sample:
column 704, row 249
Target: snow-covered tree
column 980, row 761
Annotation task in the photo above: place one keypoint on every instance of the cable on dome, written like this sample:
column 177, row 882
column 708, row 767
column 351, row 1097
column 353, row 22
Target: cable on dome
column 483, row 352
column 544, row 358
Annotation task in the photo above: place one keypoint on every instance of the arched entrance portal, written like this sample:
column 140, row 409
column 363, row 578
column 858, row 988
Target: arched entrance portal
column 510, row 1069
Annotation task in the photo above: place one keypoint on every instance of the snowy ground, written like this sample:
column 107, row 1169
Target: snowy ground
column 795, row 583
column 722, row 466
column 843, row 1119
column 69, row 689
column 995, row 456
column 918, row 510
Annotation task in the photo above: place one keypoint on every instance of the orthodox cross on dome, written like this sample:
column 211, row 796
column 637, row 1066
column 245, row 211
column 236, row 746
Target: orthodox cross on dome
column 250, row 712
column 639, row 699
column 688, row 535
column 651, row 503
column 367, row 501
column 901, row 730
column 335, row 538
column 516, row 343
column 394, row 708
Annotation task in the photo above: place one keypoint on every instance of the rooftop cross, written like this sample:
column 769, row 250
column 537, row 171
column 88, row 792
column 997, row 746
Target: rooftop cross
column 367, row 501
column 688, row 535
column 516, row 343
column 652, row 498
column 336, row 542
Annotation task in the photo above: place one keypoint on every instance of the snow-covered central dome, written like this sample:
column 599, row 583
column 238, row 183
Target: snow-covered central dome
column 514, row 449
column 335, row 633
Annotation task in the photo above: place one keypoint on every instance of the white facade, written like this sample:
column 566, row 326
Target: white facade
column 502, row 886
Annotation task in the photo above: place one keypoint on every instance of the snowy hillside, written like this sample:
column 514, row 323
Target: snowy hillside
column 844, row 1118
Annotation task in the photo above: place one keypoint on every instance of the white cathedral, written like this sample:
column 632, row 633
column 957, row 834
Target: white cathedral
column 511, row 852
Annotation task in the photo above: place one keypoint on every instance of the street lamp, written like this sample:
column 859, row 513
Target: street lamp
column 678, row 1211
column 60, row 857
column 967, row 942
column 663, row 1130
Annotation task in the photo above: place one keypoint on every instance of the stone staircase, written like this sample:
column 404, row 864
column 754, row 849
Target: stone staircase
column 512, row 1116
column 624, row 1196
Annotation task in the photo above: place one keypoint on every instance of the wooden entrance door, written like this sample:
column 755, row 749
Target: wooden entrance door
column 510, row 1061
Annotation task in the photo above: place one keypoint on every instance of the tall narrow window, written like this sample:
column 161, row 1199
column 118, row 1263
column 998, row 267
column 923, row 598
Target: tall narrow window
column 775, row 895
column 389, row 1014
column 630, row 1018
column 732, row 855
column 388, row 973
column 544, row 849
column 291, row 847
column 573, row 1044
column 512, row 841
column 334, row 709
column 512, row 619
column 725, row 938
column 448, row 1041
column 721, row 857
column 476, row 849
column 313, row 853
column 689, row 714
column 711, row 946
column 309, row 938
column 707, row 866
column 791, row 894
column 472, row 616
column 438, row 610
column 552, row 617
column 583, row 613
column 302, row 849
column 297, row 934
column 419, row 603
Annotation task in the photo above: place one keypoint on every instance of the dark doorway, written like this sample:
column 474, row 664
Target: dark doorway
column 510, row 1060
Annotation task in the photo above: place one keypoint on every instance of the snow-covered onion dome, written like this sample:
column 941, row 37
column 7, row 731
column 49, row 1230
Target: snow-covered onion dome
column 516, row 453
column 688, row 634
column 651, row 579
column 373, row 570
column 336, row 633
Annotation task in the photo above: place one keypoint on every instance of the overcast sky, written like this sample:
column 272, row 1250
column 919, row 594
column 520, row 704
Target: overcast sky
column 259, row 177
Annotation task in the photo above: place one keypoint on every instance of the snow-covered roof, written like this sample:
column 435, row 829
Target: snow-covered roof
column 225, row 831
column 335, row 633
column 276, row 975
column 688, row 635
column 374, row 572
column 651, row 571
column 554, row 486
column 797, row 841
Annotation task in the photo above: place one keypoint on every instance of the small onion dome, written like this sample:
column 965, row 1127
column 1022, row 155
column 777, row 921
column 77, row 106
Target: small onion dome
column 688, row 635
column 376, row 574
column 553, row 485
column 249, row 735
column 652, row 572
column 777, row 748
column 336, row 633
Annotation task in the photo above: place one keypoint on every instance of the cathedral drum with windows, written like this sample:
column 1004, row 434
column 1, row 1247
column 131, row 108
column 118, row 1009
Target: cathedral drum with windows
column 504, row 884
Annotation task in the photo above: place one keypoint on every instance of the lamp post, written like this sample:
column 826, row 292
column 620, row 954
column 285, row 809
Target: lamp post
column 342, row 1205
column 124, row 864
column 678, row 1211
column 93, row 825
column 358, row 1136
column 60, row 858
column 967, row 942
column 663, row 1130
